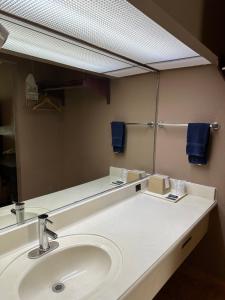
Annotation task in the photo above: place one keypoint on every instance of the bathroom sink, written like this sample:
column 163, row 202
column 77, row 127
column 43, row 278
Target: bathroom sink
column 7, row 218
column 80, row 268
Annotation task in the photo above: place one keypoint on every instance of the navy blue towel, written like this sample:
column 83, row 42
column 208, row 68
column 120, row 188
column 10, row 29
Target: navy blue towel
column 118, row 136
column 197, row 143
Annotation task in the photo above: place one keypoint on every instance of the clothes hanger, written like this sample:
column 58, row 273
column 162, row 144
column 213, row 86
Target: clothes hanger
column 47, row 101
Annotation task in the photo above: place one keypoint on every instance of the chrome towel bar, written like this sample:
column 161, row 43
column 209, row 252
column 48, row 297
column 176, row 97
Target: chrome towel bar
column 150, row 124
column 214, row 125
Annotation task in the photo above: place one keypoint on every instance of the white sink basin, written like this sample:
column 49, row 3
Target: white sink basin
column 7, row 218
column 81, row 268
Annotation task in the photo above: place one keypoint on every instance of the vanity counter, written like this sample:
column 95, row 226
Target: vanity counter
column 145, row 229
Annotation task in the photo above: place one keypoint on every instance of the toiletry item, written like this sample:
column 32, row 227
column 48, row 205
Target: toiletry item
column 31, row 88
column 124, row 175
column 115, row 172
column 159, row 184
column 118, row 136
column 117, row 175
column 172, row 197
column 197, row 143
column 118, row 182
column 133, row 175
column 179, row 187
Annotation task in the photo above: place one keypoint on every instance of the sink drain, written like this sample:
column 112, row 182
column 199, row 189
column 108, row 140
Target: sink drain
column 58, row 287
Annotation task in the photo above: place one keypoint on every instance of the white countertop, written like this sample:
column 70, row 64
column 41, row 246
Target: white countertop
column 143, row 227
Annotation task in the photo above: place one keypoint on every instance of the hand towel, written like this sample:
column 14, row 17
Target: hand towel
column 118, row 136
column 197, row 143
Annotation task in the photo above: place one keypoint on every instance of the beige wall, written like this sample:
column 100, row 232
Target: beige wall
column 87, row 132
column 6, row 102
column 6, row 81
column 38, row 138
column 195, row 95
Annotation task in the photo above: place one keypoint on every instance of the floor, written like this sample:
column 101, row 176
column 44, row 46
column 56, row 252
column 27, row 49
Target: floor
column 189, row 283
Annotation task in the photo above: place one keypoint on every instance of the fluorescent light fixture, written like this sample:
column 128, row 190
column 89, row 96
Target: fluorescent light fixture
column 180, row 63
column 113, row 25
column 39, row 43
column 127, row 72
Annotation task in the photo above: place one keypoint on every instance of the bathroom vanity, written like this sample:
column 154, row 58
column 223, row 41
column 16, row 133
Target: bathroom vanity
column 122, row 244
column 70, row 109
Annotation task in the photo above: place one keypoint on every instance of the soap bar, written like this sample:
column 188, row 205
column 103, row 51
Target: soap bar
column 159, row 184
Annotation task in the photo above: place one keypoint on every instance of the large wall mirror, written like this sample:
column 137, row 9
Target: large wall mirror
column 56, row 145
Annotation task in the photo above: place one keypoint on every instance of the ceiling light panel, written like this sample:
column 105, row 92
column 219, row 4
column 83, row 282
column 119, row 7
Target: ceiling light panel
column 128, row 72
column 38, row 43
column 181, row 63
column 115, row 25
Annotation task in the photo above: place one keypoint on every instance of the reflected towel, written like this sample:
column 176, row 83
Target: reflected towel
column 118, row 136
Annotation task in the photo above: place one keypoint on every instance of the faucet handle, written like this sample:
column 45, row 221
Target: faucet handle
column 44, row 217
column 49, row 221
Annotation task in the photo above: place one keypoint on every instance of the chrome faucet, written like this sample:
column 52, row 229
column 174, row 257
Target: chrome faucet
column 44, row 233
column 18, row 211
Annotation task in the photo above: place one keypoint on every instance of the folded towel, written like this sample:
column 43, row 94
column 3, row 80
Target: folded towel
column 197, row 143
column 118, row 136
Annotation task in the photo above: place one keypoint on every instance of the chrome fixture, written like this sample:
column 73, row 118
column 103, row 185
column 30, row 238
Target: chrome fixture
column 3, row 35
column 214, row 125
column 18, row 211
column 150, row 124
column 44, row 233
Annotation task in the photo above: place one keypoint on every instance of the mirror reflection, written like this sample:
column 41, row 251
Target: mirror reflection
column 67, row 135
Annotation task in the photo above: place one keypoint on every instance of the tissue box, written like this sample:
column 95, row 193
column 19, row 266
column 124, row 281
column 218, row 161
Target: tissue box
column 125, row 175
column 159, row 184
column 133, row 175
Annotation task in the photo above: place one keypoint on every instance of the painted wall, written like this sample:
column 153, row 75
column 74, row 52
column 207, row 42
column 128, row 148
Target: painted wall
column 38, row 137
column 195, row 95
